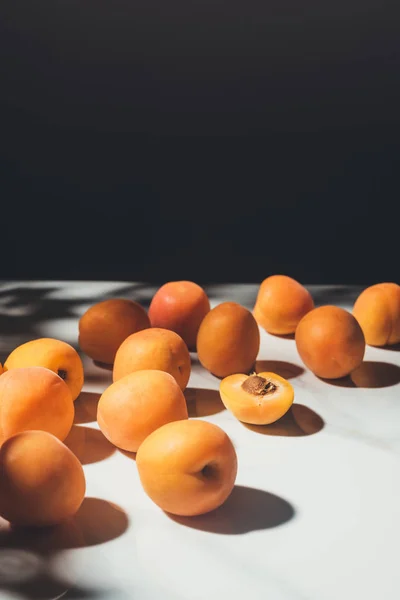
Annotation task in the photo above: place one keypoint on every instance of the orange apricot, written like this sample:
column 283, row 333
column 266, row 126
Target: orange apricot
column 41, row 480
column 257, row 399
column 137, row 404
column 377, row 309
column 56, row 355
column 180, row 306
column 187, row 467
column 153, row 348
column 330, row 342
column 34, row 398
column 105, row 325
column 281, row 303
column 228, row 340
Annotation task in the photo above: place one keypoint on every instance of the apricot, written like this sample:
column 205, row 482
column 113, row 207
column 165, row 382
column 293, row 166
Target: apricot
column 330, row 342
column 105, row 325
column 180, row 306
column 154, row 348
column 281, row 303
column 41, row 480
column 377, row 309
column 257, row 399
column 56, row 355
column 228, row 340
column 34, row 398
column 187, row 467
column 137, row 404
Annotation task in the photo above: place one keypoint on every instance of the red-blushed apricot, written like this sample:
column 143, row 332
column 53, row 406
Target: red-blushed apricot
column 330, row 342
column 105, row 325
column 187, row 467
column 41, row 480
column 257, row 399
column 281, row 303
column 137, row 404
column 228, row 340
column 154, row 348
column 34, row 398
column 377, row 309
column 180, row 306
column 56, row 355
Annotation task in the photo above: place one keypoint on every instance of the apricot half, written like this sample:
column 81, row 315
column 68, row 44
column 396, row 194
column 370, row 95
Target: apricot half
column 281, row 303
column 228, row 340
column 377, row 309
column 257, row 399
column 330, row 342
column 41, row 480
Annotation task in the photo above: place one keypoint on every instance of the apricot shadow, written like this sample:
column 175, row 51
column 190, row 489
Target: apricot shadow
column 394, row 348
column 247, row 509
column 202, row 402
column 370, row 374
column 105, row 366
column 86, row 407
column 299, row 421
column 131, row 455
column 89, row 445
column 283, row 336
column 285, row 369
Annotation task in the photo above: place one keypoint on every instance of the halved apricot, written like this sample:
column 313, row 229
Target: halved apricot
column 257, row 399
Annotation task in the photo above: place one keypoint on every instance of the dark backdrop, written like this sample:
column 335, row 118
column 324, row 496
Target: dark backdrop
column 209, row 140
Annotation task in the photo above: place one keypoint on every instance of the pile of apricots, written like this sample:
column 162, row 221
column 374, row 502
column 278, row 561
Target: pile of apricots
column 187, row 467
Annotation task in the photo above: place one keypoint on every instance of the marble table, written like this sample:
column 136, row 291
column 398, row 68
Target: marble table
column 315, row 514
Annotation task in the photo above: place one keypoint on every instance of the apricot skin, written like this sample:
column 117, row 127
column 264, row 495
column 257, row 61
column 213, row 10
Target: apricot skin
column 377, row 309
column 180, row 306
column 134, row 406
column 256, row 410
column 281, row 303
column 228, row 340
column 154, row 348
column 330, row 342
column 41, row 480
column 34, row 398
column 187, row 467
column 56, row 355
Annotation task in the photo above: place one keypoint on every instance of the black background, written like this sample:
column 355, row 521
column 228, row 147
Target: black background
column 214, row 141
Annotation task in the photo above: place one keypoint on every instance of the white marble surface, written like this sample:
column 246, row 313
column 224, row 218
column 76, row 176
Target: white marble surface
column 315, row 514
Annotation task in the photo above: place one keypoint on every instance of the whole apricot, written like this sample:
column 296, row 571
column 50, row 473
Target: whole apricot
column 281, row 303
column 180, row 306
column 34, row 398
column 41, row 480
column 137, row 404
column 56, row 355
column 105, row 325
column 228, row 340
column 154, row 348
column 377, row 309
column 187, row 467
column 330, row 342
column 257, row 399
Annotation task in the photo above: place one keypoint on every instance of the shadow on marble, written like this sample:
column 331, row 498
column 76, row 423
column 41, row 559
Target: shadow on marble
column 101, row 365
column 394, row 348
column 285, row 369
column 370, row 374
column 247, row 509
column 86, row 407
column 283, row 336
column 89, row 445
column 131, row 455
column 299, row 421
column 202, row 402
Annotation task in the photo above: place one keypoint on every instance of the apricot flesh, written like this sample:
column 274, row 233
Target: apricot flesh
column 257, row 399
column 154, row 348
column 56, row 355
column 187, row 467
column 377, row 309
column 137, row 404
column 41, row 480
column 281, row 303
column 330, row 342
column 105, row 325
column 228, row 340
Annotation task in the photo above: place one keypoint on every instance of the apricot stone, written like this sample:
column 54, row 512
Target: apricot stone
column 228, row 340
column 377, row 309
column 281, row 303
column 330, row 342
column 154, row 348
